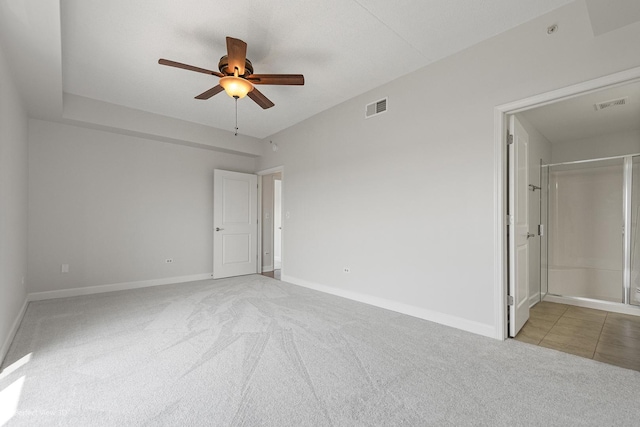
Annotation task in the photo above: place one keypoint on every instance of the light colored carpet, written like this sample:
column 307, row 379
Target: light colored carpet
column 256, row 351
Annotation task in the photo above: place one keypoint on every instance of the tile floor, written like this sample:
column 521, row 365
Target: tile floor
column 600, row 335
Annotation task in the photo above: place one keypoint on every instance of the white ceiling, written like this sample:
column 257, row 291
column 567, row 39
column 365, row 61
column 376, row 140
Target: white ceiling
column 30, row 38
column 110, row 49
column 576, row 118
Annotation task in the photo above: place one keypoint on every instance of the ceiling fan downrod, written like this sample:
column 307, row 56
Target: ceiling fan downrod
column 236, row 98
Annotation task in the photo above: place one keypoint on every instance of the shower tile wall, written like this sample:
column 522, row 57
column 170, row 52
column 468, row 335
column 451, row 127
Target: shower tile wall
column 585, row 231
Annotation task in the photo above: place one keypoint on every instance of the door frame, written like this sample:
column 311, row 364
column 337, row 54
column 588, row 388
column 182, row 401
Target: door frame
column 261, row 175
column 501, row 121
column 518, row 238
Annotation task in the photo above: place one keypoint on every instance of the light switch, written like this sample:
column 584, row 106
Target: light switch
column 64, row 268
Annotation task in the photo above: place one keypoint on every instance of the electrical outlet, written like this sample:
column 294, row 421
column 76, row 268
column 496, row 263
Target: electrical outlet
column 346, row 270
column 64, row 268
column 168, row 260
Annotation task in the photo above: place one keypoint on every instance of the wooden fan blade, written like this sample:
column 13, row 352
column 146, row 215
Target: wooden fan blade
column 236, row 54
column 188, row 67
column 260, row 99
column 276, row 79
column 209, row 93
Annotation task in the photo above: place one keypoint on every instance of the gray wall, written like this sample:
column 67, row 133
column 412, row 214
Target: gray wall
column 114, row 207
column 13, row 205
column 407, row 199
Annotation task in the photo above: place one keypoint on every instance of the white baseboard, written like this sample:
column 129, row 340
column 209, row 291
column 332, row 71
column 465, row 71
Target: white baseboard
column 421, row 313
column 12, row 332
column 74, row 292
column 534, row 299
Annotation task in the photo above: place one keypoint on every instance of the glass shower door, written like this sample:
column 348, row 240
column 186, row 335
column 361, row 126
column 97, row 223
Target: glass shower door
column 585, row 239
column 544, row 230
column 634, row 290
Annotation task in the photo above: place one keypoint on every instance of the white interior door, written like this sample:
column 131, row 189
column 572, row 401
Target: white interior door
column 518, row 226
column 235, row 225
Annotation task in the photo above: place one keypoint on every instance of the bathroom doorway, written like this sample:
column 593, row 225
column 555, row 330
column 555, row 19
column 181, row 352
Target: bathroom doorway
column 590, row 123
column 583, row 191
column 583, row 207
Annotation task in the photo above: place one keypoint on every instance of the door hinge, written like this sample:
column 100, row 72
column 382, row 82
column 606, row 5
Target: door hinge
column 509, row 219
column 509, row 300
column 540, row 230
column 509, row 139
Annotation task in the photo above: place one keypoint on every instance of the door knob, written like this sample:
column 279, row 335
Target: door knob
column 219, row 229
column 530, row 235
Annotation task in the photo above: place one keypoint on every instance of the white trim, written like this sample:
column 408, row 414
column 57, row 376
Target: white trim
column 614, row 307
column 259, row 268
column 410, row 310
column 534, row 299
column 271, row 170
column 267, row 268
column 500, row 218
column 500, row 113
column 12, row 332
column 617, row 79
column 89, row 290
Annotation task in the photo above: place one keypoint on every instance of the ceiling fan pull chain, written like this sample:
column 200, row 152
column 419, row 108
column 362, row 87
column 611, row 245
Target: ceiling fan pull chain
column 236, row 98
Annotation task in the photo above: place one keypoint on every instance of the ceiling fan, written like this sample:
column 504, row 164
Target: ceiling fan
column 236, row 75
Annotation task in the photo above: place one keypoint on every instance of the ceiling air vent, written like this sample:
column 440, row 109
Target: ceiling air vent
column 376, row 108
column 614, row 102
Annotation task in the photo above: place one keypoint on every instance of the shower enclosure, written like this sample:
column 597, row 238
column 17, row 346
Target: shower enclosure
column 589, row 247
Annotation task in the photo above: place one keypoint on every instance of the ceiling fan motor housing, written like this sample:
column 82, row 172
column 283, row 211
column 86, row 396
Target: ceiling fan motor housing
column 223, row 66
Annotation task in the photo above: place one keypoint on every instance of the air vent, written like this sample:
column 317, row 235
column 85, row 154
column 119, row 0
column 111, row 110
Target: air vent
column 376, row 108
column 613, row 103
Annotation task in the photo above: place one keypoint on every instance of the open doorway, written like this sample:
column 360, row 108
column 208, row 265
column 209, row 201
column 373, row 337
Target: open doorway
column 277, row 223
column 505, row 266
column 570, row 270
column 271, row 254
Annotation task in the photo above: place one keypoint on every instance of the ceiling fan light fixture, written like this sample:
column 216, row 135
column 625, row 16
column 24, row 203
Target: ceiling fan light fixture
column 236, row 87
